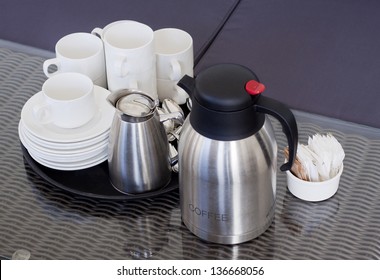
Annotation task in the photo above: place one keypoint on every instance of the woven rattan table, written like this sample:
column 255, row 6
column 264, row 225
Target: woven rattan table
column 53, row 223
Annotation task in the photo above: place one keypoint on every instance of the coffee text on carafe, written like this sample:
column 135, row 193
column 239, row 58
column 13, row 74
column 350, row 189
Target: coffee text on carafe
column 209, row 215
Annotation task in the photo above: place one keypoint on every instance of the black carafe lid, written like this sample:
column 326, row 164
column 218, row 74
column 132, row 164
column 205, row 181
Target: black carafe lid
column 223, row 88
column 222, row 109
column 227, row 105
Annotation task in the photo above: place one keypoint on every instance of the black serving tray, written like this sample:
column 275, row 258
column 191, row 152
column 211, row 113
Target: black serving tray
column 91, row 182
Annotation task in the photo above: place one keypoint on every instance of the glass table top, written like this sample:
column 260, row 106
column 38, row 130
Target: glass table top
column 53, row 223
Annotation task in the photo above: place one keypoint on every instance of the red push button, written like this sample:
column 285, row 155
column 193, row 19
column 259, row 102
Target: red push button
column 254, row 87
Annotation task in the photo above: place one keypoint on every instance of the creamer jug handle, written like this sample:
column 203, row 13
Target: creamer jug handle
column 289, row 125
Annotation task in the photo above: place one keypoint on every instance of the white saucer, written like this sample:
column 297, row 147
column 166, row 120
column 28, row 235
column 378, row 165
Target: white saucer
column 62, row 148
column 49, row 132
column 61, row 155
column 70, row 160
column 70, row 166
column 67, row 163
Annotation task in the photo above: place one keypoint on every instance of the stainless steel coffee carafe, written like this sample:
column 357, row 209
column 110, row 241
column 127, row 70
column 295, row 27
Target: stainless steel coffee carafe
column 228, row 155
column 138, row 152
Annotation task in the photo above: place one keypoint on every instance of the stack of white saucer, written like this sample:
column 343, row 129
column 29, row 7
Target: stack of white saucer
column 67, row 148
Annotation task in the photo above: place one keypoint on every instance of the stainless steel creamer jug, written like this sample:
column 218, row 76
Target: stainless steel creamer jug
column 228, row 155
column 138, row 152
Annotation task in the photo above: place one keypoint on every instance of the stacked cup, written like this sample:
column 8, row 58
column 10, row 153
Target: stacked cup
column 130, row 58
column 81, row 53
column 66, row 125
column 127, row 54
column 174, row 59
column 67, row 118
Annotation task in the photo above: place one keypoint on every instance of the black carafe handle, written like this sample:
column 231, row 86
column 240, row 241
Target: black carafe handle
column 289, row 125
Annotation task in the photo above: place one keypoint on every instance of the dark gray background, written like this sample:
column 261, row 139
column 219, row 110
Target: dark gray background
column 319, row 56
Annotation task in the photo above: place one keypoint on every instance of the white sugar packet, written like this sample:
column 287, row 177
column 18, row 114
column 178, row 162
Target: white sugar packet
column 330, row 155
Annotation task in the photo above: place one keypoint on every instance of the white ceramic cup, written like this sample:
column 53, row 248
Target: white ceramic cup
column 174, row 53
column 130, row 58
column 68, row 101
column 169, row 89
column 174, row 59
column 79, row 52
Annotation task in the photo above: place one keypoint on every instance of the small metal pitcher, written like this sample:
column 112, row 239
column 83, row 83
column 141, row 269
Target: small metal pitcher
column 138, row 152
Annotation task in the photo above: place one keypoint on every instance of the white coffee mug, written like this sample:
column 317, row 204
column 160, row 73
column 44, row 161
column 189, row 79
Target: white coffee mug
column 169, row 89
column 68, row 101
column 174, row 56
column 129, row 51
column 174, row 53
column 79, row 52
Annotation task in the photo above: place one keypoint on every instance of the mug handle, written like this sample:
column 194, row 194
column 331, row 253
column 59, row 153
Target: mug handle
column 97, row 32
column 176, row 70
column 120, row 66
column 43, row 113
column 50, row 62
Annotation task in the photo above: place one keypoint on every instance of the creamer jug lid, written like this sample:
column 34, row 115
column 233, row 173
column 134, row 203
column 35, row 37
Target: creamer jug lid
column 136, row 105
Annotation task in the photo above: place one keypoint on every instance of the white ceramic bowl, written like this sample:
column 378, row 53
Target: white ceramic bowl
column 313, row 191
